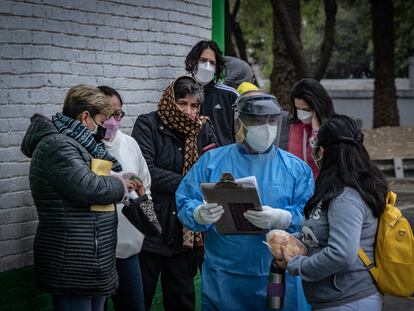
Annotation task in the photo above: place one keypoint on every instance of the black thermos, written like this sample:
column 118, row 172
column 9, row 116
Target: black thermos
column 276, row 287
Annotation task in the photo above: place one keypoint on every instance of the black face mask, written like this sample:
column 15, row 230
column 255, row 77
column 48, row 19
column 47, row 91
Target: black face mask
column 100, row 133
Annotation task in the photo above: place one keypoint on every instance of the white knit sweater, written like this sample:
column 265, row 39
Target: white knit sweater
column 126, row 150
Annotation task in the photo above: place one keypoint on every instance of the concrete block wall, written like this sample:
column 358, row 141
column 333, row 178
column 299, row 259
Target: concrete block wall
column 354, row 97
column 47, row 46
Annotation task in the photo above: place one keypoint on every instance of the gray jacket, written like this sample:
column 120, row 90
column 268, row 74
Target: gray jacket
column 333, row 274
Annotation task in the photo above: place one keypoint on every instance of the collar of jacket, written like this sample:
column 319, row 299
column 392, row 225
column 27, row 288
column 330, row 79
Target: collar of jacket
column 209, row 87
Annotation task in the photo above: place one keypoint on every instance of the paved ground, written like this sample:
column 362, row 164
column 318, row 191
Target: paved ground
column 386, row 143
column 389, row 142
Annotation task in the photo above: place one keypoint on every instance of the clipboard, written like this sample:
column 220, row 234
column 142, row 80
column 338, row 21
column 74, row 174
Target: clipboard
column 236, row 199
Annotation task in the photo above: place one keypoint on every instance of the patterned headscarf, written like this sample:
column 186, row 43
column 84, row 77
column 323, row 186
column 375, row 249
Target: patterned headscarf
column 174, row 118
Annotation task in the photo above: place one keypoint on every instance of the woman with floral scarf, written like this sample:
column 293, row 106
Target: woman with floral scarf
column 171, row 140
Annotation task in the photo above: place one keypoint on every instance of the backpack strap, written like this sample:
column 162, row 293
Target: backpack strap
column 391, row 198
column 365, row 259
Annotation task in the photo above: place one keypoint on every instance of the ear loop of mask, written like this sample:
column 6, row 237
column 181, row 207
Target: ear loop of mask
column 240, row 136
column 316, row 159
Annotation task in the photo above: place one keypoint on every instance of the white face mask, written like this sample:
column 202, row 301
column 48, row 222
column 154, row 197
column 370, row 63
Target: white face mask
column 261, row 137
column 304, row 116
column 205, row 73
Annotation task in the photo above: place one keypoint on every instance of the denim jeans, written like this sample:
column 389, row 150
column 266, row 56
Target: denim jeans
column 370, row 303
column 129, row 295
column 78, row 303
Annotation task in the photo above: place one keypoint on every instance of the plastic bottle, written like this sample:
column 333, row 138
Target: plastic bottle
column 276, row 287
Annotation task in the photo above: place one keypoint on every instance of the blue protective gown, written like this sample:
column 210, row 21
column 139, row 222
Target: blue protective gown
column 285, row 182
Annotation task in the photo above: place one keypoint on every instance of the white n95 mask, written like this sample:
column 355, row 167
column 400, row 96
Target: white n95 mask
column 304, row 116
column 261, row 137
column 205, row 73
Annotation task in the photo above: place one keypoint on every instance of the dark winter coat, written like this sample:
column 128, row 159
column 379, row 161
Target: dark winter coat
column 219, row 105
column 74, row 248
column 163, row 149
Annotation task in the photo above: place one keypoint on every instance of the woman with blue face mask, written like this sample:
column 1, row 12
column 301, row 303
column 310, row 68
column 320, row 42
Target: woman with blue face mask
column 310, row 105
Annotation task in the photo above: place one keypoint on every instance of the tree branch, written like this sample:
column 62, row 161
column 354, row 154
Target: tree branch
column 292, row 41
column 238, row 33
column 328, row 39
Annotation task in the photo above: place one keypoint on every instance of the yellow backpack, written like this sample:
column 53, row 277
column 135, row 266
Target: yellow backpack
column 393, row 270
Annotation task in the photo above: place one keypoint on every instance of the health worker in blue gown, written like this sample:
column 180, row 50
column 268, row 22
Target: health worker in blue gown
column 236, row 267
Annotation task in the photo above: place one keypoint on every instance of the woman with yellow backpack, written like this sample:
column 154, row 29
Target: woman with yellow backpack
column 342, row 215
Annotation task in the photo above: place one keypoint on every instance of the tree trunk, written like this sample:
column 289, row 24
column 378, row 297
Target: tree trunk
column 284, row 75
column 328, row 39
column 385, row 100
column 239, row 37
column 228, row 41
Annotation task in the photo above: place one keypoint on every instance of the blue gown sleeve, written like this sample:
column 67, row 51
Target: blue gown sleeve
column 189, row 196
column 303, row 190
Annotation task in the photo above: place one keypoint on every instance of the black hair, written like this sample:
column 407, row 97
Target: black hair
column 184, row 86
column 315, row 95
column 192, row 58
column 108, row 91
column 346, row 163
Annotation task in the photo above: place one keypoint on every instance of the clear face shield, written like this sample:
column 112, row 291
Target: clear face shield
column 259, row 120
column 260, row 132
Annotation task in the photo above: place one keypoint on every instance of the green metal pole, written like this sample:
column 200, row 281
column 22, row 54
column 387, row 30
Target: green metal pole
column 217, row 31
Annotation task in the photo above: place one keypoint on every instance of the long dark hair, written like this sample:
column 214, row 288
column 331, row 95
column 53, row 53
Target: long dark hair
column 315, row 95
column 192, row 58
column 346, row 163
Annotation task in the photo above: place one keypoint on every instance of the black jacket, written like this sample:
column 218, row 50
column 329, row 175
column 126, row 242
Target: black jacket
column 74, row 248
column 163, row 149
column 219, row 107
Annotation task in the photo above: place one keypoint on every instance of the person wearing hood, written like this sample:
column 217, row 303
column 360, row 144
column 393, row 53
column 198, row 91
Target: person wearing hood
column 206, row 64
column 310, row 105
column 237, row 72
column 129, row 295
column 171, row 139
column 236, row 267
column 74, row 246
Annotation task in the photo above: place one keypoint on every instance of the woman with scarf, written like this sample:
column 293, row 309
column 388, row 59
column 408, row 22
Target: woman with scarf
column 171, row 140
column 74, row 246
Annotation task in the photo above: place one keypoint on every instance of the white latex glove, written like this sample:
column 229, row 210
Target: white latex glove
column 269, row 218
column 208, row 213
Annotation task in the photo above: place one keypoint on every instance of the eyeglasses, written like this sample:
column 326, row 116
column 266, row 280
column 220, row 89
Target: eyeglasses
column 118, row 115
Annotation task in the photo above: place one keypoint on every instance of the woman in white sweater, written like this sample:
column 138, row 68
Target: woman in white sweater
column 129, row 295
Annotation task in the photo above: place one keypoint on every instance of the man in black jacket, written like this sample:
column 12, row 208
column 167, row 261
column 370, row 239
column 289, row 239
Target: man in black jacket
column 206, row 64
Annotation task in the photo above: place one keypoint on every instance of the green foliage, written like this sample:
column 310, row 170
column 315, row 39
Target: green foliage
column 352, row 51
column 352, row 54
column 404, row 35
column 255, row 17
